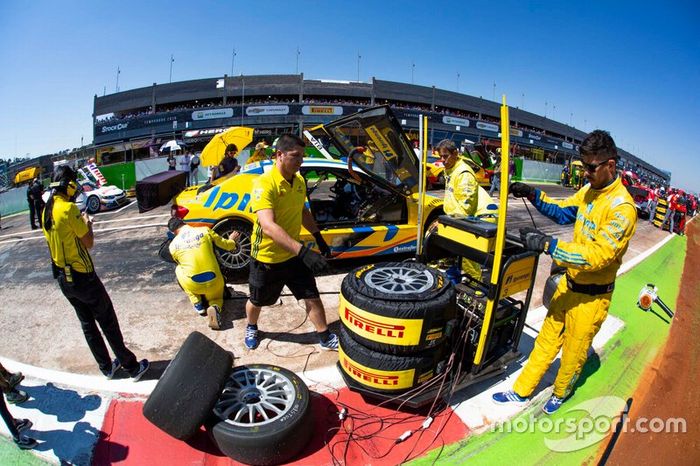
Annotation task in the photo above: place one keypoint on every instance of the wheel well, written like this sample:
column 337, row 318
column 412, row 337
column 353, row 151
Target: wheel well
column 432, row 216
column 233, row 219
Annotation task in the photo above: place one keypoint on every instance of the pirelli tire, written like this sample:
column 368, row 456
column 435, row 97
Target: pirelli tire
column 188, row 389
column 397, row 307
column 386, row 373
column 263, row 415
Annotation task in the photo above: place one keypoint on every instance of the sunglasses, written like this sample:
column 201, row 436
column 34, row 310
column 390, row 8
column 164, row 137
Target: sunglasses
column 592, row 167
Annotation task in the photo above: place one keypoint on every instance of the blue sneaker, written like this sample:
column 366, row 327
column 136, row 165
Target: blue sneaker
column 116, row 365
column 552, row 404
column 143, row 367
column 509, row 397
column 252, row 338
column 331, row 343
column 200, row 309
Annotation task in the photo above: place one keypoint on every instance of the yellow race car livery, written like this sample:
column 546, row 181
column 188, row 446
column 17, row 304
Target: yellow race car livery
column 365, row 207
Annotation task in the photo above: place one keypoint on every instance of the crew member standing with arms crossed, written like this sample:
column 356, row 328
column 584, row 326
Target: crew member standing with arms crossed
column 277, row 256
column 604, row 217
column 69, row 236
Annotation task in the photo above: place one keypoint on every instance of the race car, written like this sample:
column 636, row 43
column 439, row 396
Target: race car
column 642, row 196
column 365, row 204
column 104, row 197
column 92, row 199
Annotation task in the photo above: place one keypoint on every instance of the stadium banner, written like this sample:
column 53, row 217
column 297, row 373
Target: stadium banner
column 321, row 110
column 487, row 126
column 449, row 120
column 567, row 145
column 212, row 114
column 263, row 110
column 516, row 132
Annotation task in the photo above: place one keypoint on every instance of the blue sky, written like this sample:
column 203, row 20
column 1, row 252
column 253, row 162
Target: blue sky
column 632, row 68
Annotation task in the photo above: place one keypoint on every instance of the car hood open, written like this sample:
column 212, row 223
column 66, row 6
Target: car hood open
column 387, row 157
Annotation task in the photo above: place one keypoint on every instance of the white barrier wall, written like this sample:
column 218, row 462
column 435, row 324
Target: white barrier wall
column 534, row 170
column 13, row 201
column 148, row 167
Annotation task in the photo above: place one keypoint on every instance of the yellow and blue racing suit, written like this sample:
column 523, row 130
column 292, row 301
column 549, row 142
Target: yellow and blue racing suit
column 604, row 221
column 197, row 270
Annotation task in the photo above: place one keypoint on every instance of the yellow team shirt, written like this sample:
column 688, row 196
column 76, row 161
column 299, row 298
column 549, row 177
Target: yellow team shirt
column 272, row 191
column 64, row 237
column 258, row 156
column 193, row 250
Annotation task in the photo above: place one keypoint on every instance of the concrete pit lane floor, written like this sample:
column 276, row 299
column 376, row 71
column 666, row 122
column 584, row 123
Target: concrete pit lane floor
column 40, row 328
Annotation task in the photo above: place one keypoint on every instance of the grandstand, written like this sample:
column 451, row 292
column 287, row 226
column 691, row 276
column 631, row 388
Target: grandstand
column 128, row 125
column 132, row 125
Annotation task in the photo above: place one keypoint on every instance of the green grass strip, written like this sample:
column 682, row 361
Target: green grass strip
column 616, row 372
column 10, row 455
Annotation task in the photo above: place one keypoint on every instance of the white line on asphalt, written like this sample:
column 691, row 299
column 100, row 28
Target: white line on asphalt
column 130, row 219
column 103, row 230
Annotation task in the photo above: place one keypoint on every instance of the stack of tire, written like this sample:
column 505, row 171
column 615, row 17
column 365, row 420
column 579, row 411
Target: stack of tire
column 256, row 414
column 660, row 213
column 395, row 319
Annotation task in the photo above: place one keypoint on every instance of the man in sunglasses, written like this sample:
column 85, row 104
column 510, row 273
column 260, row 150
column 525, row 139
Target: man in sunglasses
column 604, row 217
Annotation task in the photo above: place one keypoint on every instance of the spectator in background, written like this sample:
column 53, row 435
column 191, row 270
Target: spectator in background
column 185, row 166
column 259, row 155
column 36, row 204
column 230, row 163
column 194, row 169
column 496, row 178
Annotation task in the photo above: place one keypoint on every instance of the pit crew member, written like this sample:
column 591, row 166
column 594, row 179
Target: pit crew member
column 197, row 269
column 277, row 256
column 69, row 236
column 604, row 217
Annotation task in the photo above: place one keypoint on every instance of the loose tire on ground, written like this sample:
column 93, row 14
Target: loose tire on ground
column 234, row 264
column 189, row 387
column 397, row 307
column 265, row 415
column 387, row 373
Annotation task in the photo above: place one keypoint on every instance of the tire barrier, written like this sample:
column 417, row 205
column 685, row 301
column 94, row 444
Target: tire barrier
column 397, row 307
column 263, row 415
column 660, row 212
column 188, row 389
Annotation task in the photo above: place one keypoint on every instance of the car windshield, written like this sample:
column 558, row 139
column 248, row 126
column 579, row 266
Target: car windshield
column 385, row 153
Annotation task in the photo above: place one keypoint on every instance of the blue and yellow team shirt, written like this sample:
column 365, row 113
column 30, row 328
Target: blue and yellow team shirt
column 193, row 250
column 604, row 221
column 272, row 191
column 64, row 237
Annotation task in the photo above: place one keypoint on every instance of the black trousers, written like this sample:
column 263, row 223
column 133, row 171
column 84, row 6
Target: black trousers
column 88, row 296
column 7, row 417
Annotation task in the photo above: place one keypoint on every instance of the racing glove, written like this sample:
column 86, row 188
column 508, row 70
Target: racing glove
column 518, row 189
column 322, row 245
column 534, row 239
column 312, row 259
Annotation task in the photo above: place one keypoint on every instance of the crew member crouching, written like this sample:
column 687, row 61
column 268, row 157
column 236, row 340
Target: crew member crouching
column 197, row 270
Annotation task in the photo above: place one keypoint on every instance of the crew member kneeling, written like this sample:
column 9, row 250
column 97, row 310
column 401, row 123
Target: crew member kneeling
column 197, row 270
column 278, row 258
column 604, row 217
column 69, row 236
